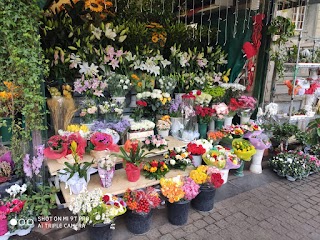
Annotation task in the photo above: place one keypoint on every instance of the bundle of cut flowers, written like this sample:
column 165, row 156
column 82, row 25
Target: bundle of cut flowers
column 249, row 128
column 199, row 147
column 215, row 136
column 102, row 141
column 207, row 176
column 178, row 158
column 93, row 207
column 202, row 98
column 155, row 169
column 243, row 149
column 221, row 110
column 143, row 125
column 179, row 188
column 112, row 110
column 234, row 106
column 107, row 162
column 215, row 157
column 142, row 201
column 155, row 142
column 175, row 108
column 164, row 123
column 204, row 114
column 247, row 102
column 233, row 162
column 259, row 140
column 83, row 130
column 231, row 132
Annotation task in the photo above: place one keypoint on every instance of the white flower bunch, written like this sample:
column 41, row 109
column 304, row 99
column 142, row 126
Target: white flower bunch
column 233, row 86
column 15, row 189
column 118, row 85
column 107, row 162
column 167, row 83
column 144, row 125
column 111, row 107
column 156, row 93
column 205, row 144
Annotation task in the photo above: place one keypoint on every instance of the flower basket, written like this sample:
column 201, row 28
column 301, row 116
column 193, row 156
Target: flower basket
column 178, row 212
column 133, row 172
column 100, row 231
column 204, row 201
column 138, row 223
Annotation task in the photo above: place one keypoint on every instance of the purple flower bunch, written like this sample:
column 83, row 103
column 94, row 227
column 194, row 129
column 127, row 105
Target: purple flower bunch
column 92, row 87
column 175, row 108
column 121, row 127
column 33, row 167
column 190, row 188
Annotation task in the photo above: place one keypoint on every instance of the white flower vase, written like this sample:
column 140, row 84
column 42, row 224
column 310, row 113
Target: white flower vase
column 163, row 133
column 196, row 160
column 120, row 100
column 211, row 125
column 225, row 174
column 133, row 101
column 228, row 121
column 244, row 119
column 255, row 166
column 176, row 126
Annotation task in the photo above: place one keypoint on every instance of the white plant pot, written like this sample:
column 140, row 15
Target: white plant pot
column 196, row 160
column 163, row 133
column 211, row 126
column 119, row 99
column 133, row 102
column 225, row 174
column 227, row 121
column 244, row 120
column 255, row 166
column 176, row 126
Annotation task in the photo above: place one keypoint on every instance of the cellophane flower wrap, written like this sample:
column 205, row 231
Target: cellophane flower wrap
column 243, row 149
column 179, row 188
column 155, row 142
column 259, row 140
column 178, row 158
column 221, row 110
column 202, row 98
column 215, row 157
column 93, row 207
column 142, row 201
column 233, row 162
column 155, row 169
column 102, row 141
column 81, row 144
column 206, row 175
column 57, row 147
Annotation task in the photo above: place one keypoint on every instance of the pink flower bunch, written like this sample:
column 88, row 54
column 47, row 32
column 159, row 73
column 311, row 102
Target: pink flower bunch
column 91, row 87
column 221, row 110
column 33, row 166
column 113, row 57
column 247, row 102
column 155, row 141
column 190, row 188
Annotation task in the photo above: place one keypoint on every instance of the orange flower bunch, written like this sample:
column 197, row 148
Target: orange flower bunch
column 159, row 36
column 172, row 189
column 7, row 97
column 98, row 5
column 215, row 136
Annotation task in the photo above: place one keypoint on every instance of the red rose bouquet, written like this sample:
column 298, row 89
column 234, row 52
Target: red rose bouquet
column 195, row 149
column 142, row 201
column 204, row 114
column 234, row 106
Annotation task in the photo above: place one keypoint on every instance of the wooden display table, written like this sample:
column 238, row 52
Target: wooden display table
column 120, row 183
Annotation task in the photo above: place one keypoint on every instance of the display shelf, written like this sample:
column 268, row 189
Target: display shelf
column 55, row 165
column 120, row 183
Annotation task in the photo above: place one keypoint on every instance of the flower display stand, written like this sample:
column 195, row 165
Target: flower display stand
column 140, row 135
column 138, row 223
column 100, row 231
column 178, row 212
column 205, row 199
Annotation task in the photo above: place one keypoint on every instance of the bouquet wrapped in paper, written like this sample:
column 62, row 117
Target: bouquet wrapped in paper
column 243, row 149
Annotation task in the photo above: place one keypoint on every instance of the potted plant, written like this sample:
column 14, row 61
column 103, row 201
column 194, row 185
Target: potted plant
column 97, row 211
column 154, row 142
column 113, row 111
column 281, row 133
column 106, row 168
column 178, row 158
column 179, row 191
column 163, row 126
column 140, row 204
column 209, row 179
column 132, row 155
column 155, row 169
column 197, row 148
column 118, row 87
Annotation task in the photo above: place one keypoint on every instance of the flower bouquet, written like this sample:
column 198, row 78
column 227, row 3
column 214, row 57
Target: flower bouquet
column 178, row 158
column 205, row 115
column 221, row 110
column 207, row 176
column 118, row 85
column 248, row 104
column 57, row 147
column 83, row 130
column 106, row 168
column 140, row 203
column 138, row 110
column 144, row 125
column 215, row 136
column 230, row 133
column 243, row 149
column 197, row 148
column 233, row 161
column 112, row 111
column 167, row 84
column 163, row 126
column 175, row 108
column 155, row 142
column 155, row 169
column 100, row 141
column 178, row 192
column 234, row 106
column 215, row 157
column 88, row 111
column 95, row 209
column 132, row 156
column 202, row 98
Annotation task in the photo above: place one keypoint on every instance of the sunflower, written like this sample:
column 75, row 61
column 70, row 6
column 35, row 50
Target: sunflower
column 94, row 5
column 135, row 77
column 155, row 39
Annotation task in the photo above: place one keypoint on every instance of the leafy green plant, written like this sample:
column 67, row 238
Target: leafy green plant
column 313, row 129
column 282, row 132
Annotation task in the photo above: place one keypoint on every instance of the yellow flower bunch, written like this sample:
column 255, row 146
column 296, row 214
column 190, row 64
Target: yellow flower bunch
column 77, row 128
column 243, row 149
column 155, row 169
column 164, row 100
column 199, row 175
column 171, row 188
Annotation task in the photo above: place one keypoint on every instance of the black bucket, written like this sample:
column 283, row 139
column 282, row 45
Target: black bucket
column 204, row 201
column 178, row 212
column 138, row 223
column 100, row 231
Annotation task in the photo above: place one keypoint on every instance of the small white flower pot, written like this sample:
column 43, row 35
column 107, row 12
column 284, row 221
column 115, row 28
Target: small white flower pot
column 255, row 166
column 211, row 125
column 196, row 160
column 227, row 121
column 163, row 133
column 244, row 119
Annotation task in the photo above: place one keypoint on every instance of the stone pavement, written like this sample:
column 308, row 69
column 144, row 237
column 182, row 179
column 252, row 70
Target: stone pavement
column 255, row 207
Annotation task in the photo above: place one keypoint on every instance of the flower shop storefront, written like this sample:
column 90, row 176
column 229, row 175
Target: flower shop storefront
column 133, row 104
